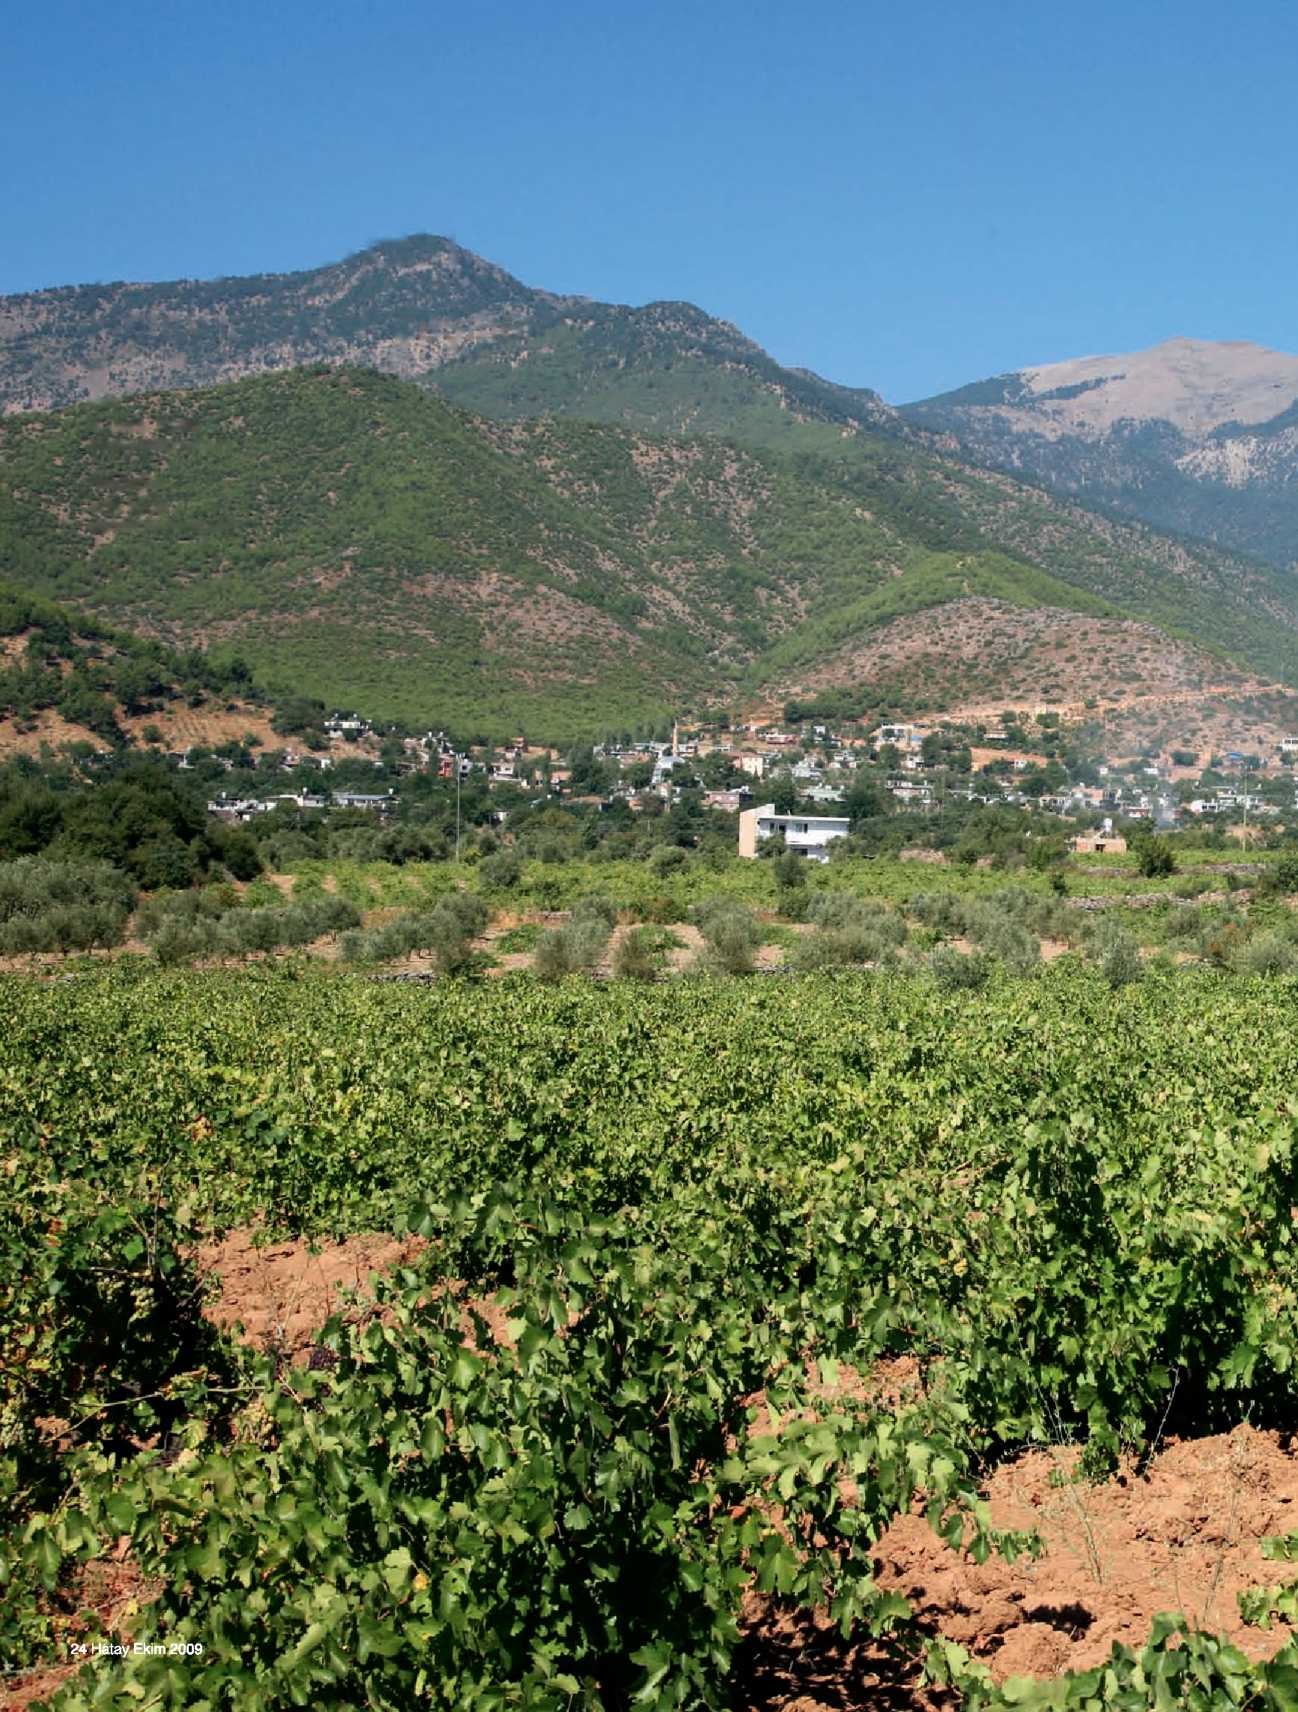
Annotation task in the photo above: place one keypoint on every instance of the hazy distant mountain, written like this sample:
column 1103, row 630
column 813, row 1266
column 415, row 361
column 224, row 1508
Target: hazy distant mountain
column 1194, row 436
column 424, row 309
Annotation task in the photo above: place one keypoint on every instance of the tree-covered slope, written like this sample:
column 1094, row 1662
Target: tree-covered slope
column 354, row 538
column 1240, row 606
column 350, row 535
column 96, row 680
column 667, row 367
column 1150, row 435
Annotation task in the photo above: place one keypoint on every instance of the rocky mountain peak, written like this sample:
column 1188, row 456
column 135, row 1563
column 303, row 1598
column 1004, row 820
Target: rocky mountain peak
column 1197, row 436
column 1197, row 385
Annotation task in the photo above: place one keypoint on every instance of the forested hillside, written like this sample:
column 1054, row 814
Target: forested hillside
column 351, row 537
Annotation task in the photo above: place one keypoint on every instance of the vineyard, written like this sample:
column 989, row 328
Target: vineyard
column 628, row 1390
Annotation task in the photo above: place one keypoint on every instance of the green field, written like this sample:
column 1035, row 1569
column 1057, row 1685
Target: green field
column 1070, row 1204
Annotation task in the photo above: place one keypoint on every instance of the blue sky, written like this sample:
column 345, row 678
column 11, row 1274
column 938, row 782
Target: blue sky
column 906, row 196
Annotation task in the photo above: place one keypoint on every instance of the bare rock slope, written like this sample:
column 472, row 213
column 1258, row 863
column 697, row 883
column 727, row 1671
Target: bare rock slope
column 1192, row 435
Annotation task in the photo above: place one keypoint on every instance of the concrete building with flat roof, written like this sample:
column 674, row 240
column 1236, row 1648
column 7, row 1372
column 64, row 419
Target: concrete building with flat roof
column 808, row 835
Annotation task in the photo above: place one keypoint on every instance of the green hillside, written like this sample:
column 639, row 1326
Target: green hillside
column 667, row 367
column 348, row 534
column 425, row 309
column 931, row 580
column 1235, row 605
column 352, row 537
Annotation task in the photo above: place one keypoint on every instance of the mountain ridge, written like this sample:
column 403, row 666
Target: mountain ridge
column 423, row 308
column 659, row 510
column 1194, row 436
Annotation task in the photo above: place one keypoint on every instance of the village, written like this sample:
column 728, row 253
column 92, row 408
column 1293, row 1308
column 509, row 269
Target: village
column 801, row 782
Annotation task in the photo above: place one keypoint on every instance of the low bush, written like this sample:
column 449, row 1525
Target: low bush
column 62, row 906
column 843, row 911
column 1013, row 945
column 32, row 884
column 575, row 946
column 164, row 908
column 960, row 971
column 502, row 871
column 449, row 930
column 1222, row 940
column 1183, row 924
column 65, row 927
column 1192, row 886
column 662, row 909
column 594, row 907
column 1117, row 954
column 443, row 933
column 730, row 933
column 469, row 913
column 520, row 938
column 667, row 859
column 790, row 872
column 636, row 957
column 1155, row 857
column 843, row 947
column 193, row 924
column 941, row 912
column 1265, row 954
column 179, row 941
column 995, row 924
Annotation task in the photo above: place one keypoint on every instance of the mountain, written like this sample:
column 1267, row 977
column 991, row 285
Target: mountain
column 410, row 483
column 1190, row 435
column 1193, row 437
column 425, row 309
column 353, row 537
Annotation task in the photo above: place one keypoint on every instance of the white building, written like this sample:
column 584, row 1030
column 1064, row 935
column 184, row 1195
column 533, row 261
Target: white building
column 665, row 768
column 808, row 835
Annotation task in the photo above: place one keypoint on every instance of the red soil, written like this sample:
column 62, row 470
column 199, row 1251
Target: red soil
column 281, row 1294
column 1182, row 1537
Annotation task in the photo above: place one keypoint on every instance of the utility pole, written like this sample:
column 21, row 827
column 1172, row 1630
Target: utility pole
column 459, row 774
